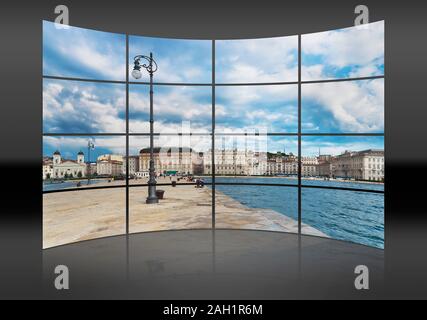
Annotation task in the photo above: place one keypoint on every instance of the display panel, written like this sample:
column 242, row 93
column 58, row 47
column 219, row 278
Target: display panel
column 257, row 60
column 343, row 53
column 182, row 174
column 178, row 109
column 83, row 53
column 84, row 188
column 345, row 215
column 83, row 107
column 238, row 141
column 256, row 159
column 257, row 208
column 246, row 109
column 338, row 161
column 180, row 60
column 343, row 107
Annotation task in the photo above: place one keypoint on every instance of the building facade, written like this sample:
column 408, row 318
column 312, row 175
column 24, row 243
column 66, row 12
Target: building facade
column 309, row 166
column 236, row 162
column 47, row 170
column 133, row 165
column 360, row 165
column 171, row 160
column 59, row 168
column 110, row 165
column 110, row 168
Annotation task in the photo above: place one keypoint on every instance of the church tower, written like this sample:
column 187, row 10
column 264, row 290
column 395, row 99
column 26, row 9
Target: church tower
column 80, row 157
column 56, row 157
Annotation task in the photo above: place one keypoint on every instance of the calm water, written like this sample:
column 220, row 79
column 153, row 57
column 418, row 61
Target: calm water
column 345, row 215
column 47, row 186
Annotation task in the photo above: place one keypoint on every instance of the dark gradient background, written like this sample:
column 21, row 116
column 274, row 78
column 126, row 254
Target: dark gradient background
column 21, row 111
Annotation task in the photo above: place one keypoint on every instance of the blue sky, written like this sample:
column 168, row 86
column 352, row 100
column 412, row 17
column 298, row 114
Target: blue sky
column 90, row 107
column 70, row 146
column 343, row 53
column 179, row 61
column 83, row 53
column 173, row 106
column 83, row 107
column 337, row 145
column 343, row 107
column 257, row 60
column 246, row 108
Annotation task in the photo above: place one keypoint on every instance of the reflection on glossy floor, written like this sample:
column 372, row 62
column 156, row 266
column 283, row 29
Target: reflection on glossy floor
column 203, row 264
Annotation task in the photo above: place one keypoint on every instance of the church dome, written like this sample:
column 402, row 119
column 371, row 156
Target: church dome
column 80, row 153
column 57, row 153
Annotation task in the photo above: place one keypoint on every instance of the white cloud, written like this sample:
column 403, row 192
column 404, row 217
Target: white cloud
column 85, row 54
column 257, row 60
column 361, row 45
column 172, row 106
column 69, row 104
column 244, row 95
column 89, row 52
column 179, row 61
column 248, row 107
column 312, row 72
column 356, row 106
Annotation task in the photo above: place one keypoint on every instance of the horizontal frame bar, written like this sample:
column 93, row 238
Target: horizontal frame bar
column 220, row 134
column 223, row 183
column 83, row 79
column 214, row 84
column 113, row 134
column 342, row 79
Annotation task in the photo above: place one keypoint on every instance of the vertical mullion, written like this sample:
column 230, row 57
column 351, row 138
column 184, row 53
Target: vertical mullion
column 127, row 134
column 299, row 135
column 213, row 135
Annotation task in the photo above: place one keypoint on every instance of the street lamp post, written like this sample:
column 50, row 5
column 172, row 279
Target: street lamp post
column 151, row 67
column 90, row 145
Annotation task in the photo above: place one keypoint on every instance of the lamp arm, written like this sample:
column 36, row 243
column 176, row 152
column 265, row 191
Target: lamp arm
column 151, row 67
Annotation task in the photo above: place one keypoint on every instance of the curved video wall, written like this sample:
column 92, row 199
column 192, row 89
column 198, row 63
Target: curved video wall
column 277, row 134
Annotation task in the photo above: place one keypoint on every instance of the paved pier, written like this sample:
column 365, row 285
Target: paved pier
column 82, row 215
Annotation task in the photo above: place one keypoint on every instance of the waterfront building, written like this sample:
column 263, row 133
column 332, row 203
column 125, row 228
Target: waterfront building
column 59, row 168
column 47, row 170
column 110, row 157
column 109, row 165
column 275, row 166
column 290, row 167
column 360, row 165
column 325, row 169
column 111, row 168
column 92, row 168
column 169, row 160
column 287, row 164
column 230, row 162
column 133, row 165
column 309, row 166
column 257, row 163
column 236, row 162
column 290, row 164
